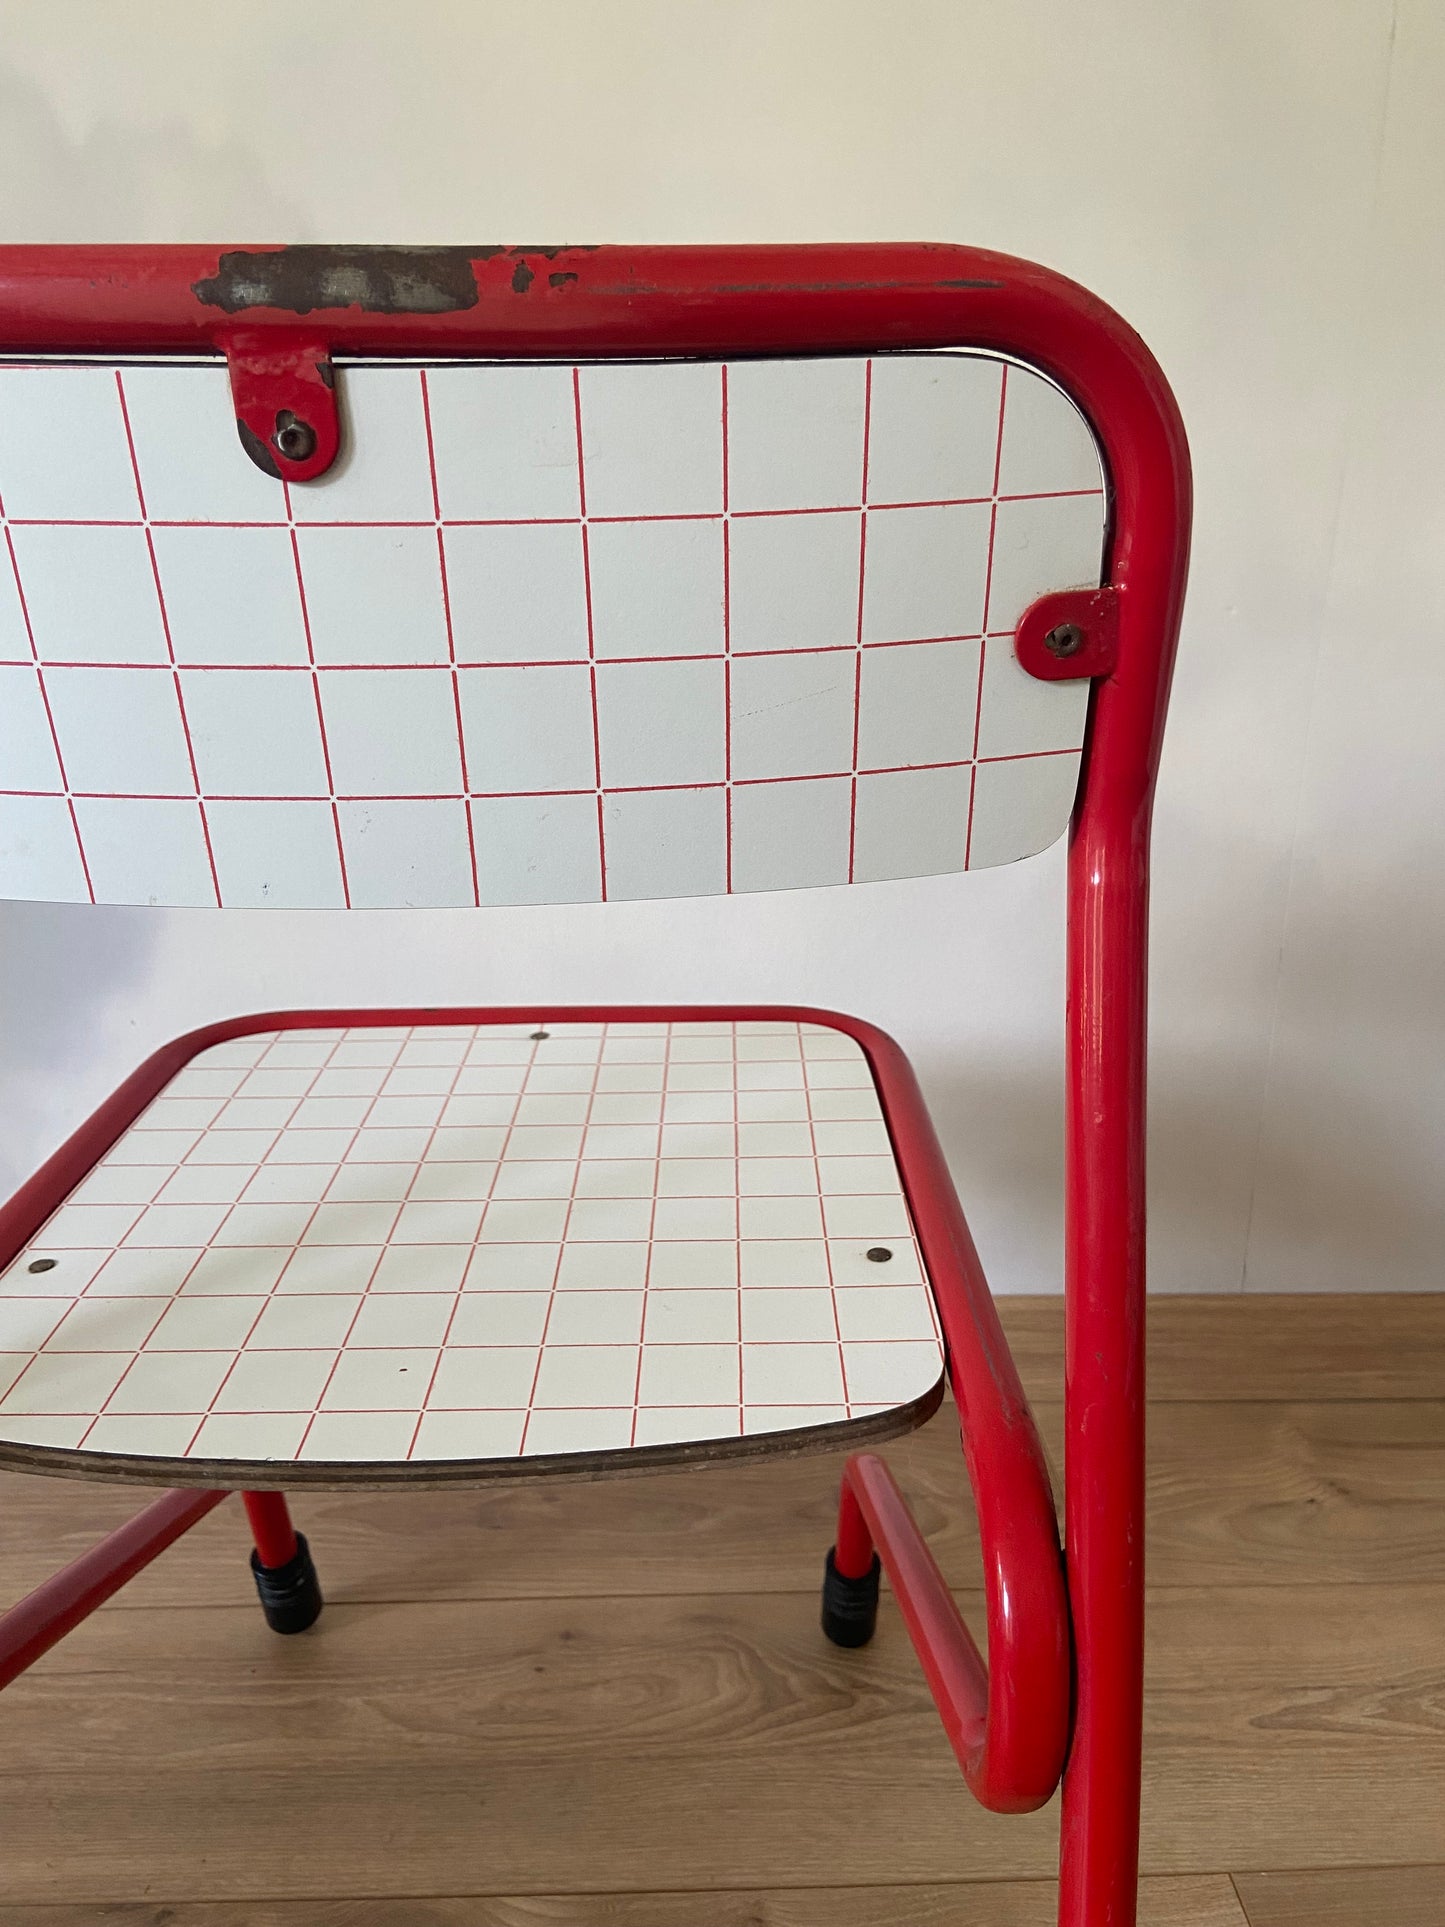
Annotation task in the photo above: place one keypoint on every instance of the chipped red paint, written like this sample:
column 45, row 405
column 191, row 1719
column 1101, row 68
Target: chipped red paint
column 1093, row 617
column 302, row 279
column 284, row 394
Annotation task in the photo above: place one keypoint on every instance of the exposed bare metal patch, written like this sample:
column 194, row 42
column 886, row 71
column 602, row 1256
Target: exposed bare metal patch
column 377, row 280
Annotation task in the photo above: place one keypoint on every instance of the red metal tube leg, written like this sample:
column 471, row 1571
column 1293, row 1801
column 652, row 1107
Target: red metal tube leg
column 271, row 1527
column 281, row 1565
column 853, row 1553
column 46, row 1615
column 1104, row 1155
column 1025, row 1692
column 1007, row 1730
column 1104, row 1378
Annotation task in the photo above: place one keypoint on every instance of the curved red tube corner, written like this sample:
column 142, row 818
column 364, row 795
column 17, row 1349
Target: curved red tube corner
column 1010, row 1739
column 1007, row 1721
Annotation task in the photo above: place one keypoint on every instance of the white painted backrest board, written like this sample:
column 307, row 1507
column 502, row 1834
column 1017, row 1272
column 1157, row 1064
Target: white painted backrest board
column 543, row 634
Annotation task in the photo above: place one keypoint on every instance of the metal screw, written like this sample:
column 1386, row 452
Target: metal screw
column 42, row 1264
column 540, row 1036
column 880, row 1254
column 1064, row 639
column 295, row 439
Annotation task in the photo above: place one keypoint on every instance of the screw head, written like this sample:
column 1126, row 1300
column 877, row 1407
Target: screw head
column 294, row 438
column 878, row 1254
column 42, row 1264
column 1065, row 639
column 539, row 1036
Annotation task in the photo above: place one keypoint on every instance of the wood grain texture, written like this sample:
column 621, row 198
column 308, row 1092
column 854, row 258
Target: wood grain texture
column 610, row 1706
column 1290, row 1494
column 1162, row 1903
column 723, row 1528
column 1247, row 1346
column 432, row 1748
column 1262, row 1494
column 1185, row 1902
column 1346, row 1897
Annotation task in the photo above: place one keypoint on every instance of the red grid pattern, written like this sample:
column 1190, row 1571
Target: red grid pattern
column 633, row 723
column 316, row 681
column 166, row 630
column 988, row 586
column 474, row 1242
column 591, row 635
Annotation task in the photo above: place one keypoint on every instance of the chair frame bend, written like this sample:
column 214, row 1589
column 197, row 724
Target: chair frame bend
column 1062, row 1692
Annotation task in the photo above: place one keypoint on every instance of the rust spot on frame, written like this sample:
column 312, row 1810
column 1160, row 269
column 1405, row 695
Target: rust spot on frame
column 560, row 280
column 378, row 280
column 258, row 451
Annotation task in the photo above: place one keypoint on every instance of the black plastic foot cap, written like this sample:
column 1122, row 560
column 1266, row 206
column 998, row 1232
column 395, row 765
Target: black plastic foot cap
column 850, row 1606
column 290, row 1594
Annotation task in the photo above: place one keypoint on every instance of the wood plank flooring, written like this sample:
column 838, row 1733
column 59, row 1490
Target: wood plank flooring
column 609, row 1706
column 1209, row 1902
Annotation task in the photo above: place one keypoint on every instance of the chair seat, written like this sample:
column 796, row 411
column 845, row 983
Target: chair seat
column 442, row 1251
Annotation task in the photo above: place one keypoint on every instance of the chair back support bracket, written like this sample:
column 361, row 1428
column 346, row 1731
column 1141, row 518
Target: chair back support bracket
column 1070, row 635
column 284, row 393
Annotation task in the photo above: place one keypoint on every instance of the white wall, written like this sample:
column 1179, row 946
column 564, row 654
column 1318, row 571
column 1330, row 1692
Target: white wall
column 1257, row 188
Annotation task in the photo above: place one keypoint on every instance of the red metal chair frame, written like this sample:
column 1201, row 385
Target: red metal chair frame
column 1062, row 1692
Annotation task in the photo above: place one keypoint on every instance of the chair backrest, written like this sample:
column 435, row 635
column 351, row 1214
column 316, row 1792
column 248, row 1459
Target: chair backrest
column 544, row 631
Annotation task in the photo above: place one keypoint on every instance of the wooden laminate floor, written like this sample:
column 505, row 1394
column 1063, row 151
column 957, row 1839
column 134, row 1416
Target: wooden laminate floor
column 610, row 1705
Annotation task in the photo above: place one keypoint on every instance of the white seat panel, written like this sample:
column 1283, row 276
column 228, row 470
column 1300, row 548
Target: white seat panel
column 477, row 1243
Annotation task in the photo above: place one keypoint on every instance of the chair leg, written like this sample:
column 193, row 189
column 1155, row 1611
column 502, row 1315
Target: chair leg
column 281, row 1565
column 851, row 1577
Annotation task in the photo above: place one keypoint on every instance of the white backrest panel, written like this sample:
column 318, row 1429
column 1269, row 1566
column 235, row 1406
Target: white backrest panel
column 543, row 634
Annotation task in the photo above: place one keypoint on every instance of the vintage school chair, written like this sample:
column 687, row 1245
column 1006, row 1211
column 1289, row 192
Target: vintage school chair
column 556, row 575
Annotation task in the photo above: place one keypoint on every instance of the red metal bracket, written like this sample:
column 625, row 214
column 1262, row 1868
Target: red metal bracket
column 1073, row 633
column 284, row 392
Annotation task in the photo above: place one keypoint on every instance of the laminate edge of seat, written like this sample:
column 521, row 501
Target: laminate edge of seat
column 236, row 1475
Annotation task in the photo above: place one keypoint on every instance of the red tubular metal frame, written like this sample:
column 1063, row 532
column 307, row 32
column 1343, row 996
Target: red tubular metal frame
column 260, row 306
column 271, row 1527
column 34, row 1624
column 1009, row 1739
column 50, row 1612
